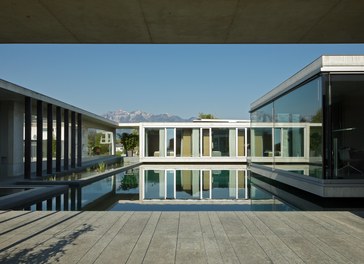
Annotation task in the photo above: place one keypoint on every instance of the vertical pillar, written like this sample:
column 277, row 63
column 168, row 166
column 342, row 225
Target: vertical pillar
column 79, row 198
column 66, row 200
column 39, row 206
column 58, row 203
column 39, row 138
column 66, row 139
column 73, row 139
column 49, row 204
column 27, row 137
column 73, row 198
column 49, row 137
column 79, row 140
column 58, row 138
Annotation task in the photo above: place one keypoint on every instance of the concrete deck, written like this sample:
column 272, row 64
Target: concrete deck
column 181, row 237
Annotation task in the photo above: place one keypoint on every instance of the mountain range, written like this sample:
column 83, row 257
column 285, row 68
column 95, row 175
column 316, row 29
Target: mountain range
column 122, row 116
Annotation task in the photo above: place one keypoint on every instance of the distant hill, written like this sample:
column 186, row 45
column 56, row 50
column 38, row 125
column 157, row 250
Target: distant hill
column 122, row 116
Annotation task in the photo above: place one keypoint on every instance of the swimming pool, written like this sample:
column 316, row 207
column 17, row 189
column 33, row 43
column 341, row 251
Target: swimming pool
column 180, row 187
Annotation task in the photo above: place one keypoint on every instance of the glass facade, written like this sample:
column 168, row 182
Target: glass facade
column 153, row 142
column 220, row 142
column 184, row 142
column 289, row 128
column 345, row 126
column 170, row 141
column 194, row 142
column 317, row 124
column 261, row 142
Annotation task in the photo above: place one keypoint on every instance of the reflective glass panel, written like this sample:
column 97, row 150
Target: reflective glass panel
column 303, row 104
column 152, row 142
column 347, row 126
column 170, row 142
column 292, row 142
column 241, row 142
column 263, row 114
column 261, row 142
column 205, row 142
column 184, row 142
column 220, row 142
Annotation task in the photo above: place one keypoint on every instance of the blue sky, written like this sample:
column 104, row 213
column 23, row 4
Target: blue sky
column 177, row 79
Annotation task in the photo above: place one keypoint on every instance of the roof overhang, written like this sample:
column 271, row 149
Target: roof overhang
column 10, row 91
column 184, row 21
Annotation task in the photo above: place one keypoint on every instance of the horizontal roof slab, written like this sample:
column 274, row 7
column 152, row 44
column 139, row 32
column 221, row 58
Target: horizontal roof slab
column 187, row 21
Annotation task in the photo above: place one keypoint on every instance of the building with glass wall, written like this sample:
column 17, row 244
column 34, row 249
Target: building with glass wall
column 41, row 136
column 198, row 141
column 313, row 122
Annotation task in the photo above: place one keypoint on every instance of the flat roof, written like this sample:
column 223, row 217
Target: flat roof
column 13, row 91
column 325, row 63
column 194, row 123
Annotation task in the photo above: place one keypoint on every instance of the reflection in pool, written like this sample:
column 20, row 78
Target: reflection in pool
column 193, row 184
column 180, row 187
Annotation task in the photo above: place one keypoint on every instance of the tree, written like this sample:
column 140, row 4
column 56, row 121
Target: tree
column 130, row 141
column 206, row 116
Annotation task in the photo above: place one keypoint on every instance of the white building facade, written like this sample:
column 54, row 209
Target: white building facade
column 198, row 141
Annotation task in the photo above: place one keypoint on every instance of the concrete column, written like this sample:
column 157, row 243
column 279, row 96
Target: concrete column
column 162, row 145
column 58, row 138
column 66, row 139
column 113, row 140
column 27, row 137
column 39, row 138
column 232, row 142
column 49, row 138
column 11, row 138
column 73, row 139
column 79, row 140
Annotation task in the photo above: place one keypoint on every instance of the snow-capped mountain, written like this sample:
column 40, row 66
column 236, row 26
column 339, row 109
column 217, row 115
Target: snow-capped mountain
column 122, row 116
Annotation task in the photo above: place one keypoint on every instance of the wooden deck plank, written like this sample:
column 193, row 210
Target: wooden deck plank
column 69, row 238
column 225, row 246
column 345, row 243
column 190, row 243
column 212, row 251
column 121, row 246
column 82, row 237
column 263, row 221
column 139, row 251
column 104, row 240
column 340, row 221
column 180, row 237
column 24, row 230
column 21, row 219
column 162, row 248
column 304, row 244
column 314, row 236
column 5, row 216
column 260, row 248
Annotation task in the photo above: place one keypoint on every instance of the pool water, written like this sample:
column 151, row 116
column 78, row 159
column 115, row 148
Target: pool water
column 182, row 187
